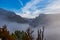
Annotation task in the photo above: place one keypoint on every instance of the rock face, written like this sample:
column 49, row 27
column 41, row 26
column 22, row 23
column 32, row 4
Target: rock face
column 11, row 16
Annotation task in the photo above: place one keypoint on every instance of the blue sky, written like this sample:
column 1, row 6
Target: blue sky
column 31, row 8
column 12, row 4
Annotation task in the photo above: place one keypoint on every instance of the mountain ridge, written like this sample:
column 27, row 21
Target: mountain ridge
column 11, row 16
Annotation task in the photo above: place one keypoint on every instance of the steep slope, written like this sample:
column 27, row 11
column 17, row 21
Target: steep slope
column 11, row 16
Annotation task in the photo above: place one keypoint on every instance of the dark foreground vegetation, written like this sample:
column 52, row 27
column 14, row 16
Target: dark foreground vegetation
column 20, row 35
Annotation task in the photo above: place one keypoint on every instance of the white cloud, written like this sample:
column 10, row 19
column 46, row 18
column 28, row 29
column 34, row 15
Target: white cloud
column 53, row 7
column 20, row 2
column 29, row 15
column 30, row 5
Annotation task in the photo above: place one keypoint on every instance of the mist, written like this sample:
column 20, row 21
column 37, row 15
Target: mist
column 52, row 30
column 52, row 27
column 13, row 26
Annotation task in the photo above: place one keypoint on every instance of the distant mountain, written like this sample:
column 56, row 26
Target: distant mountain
column 45, row 19
column 42, row 19
column 11, row 16
column 12, row 20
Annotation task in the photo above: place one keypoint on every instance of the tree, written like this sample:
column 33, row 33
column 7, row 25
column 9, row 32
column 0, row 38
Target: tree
column 18, row 34
column 4, row 33
column 27, row 35
column 41, row 34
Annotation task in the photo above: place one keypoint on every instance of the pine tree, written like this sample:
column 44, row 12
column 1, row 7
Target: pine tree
column 4, row 33
column 27, row 35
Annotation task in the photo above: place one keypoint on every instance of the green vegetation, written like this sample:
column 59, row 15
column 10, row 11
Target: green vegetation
column 20, row 35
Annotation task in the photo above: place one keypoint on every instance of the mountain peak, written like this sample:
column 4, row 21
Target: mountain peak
column 11, row 16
